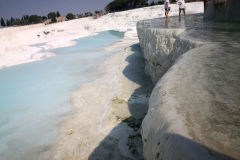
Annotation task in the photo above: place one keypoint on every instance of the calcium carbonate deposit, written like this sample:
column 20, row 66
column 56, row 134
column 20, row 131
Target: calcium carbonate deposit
column 192, row 112
column 194, row 107
column 15, row 41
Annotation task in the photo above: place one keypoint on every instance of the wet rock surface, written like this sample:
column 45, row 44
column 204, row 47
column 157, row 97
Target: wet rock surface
column 194, row 108
column 224, row 10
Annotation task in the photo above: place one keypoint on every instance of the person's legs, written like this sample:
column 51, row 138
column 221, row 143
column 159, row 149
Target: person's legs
column 184, row 12
column 166, row 12
column 179, row 12
column 169, row 8
column 167, row 23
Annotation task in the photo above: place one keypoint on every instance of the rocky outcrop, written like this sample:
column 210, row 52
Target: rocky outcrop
column 194, row 108
column 162, row 47
column 226, row 10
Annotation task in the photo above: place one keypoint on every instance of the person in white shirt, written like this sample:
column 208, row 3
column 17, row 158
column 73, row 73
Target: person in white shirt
column 182, row 7
column 167, row 7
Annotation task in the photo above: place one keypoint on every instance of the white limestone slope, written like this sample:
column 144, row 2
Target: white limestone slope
column 162, row 47
column 194, row 108
column 15, row 41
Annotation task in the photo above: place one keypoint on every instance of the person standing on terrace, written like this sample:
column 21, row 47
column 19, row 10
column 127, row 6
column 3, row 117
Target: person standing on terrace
column 167, row 7
column 182, row 7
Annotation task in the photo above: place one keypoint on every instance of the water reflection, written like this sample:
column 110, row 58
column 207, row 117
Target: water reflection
column 167, row 23
column 199, row 28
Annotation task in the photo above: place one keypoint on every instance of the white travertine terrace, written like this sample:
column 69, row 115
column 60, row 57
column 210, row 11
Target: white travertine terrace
column 194, row 108
column 15, row 41
column 162, row 47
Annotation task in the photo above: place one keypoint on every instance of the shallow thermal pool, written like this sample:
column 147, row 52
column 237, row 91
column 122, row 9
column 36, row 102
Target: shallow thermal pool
column 34, row 97
column 200, row 29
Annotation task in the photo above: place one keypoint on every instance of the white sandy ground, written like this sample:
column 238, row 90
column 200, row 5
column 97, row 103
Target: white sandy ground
column 15, row 41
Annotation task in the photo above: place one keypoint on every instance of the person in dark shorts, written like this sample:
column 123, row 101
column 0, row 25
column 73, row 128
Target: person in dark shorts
column 167, row 7
column 182, row 7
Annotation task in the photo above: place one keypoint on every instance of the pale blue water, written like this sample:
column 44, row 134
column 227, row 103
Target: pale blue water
column 34, row 97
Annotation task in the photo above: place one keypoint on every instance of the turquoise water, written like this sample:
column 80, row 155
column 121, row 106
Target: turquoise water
column 34, row 97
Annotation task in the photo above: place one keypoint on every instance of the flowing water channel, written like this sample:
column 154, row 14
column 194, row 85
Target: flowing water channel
column 34, row 97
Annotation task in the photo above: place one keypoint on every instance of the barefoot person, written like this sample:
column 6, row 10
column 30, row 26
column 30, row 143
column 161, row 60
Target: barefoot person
column 167, row 7
column 182, row 7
